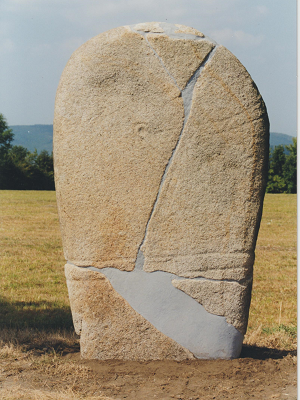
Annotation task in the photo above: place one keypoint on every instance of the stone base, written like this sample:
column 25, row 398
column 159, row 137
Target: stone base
column 110, row 328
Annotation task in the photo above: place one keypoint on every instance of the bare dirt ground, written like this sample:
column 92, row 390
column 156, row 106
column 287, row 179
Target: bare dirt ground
column 260, row 373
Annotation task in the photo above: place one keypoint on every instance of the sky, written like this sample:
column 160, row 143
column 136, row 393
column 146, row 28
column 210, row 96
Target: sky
column 37, row 37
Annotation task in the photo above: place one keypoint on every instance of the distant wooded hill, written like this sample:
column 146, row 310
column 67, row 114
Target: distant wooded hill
column 33, row 137
column 280, row 138
column 40, row 137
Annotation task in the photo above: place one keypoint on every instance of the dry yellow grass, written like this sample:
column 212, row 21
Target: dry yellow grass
column 35, row 321
column 273, row 311
column 33, row 287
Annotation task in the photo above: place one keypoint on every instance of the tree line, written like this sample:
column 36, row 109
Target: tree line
column 21, row 169
column 282, row 176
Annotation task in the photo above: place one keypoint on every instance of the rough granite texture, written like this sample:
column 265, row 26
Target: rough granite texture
column 207, row 216
column 161, row 143
column 229, row 299
column 109, row 327
column 149, row 27
column 118, row 115
column 181, row 57
column 187, row 29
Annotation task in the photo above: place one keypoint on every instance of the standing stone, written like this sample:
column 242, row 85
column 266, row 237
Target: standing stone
column 160, row 146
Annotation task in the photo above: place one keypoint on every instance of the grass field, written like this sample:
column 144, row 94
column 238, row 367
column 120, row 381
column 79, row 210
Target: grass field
column 33, row 288
column 273, row 311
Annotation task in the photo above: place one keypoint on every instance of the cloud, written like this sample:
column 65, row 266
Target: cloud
column 6, row 46
column 262, row 10
column 91, row 11
column 229, row 36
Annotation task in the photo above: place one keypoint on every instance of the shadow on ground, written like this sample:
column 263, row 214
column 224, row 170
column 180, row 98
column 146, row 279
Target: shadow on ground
column 40, row 315
column 47, row 316
column 263, row 353
column 42, row 327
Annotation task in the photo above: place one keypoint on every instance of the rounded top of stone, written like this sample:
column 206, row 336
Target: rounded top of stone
column 173, row 30
column 124, row 100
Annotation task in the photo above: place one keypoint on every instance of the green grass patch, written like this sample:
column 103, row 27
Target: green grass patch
column 290, row 330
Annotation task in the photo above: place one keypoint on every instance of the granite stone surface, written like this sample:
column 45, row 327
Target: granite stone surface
column 161, row 144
